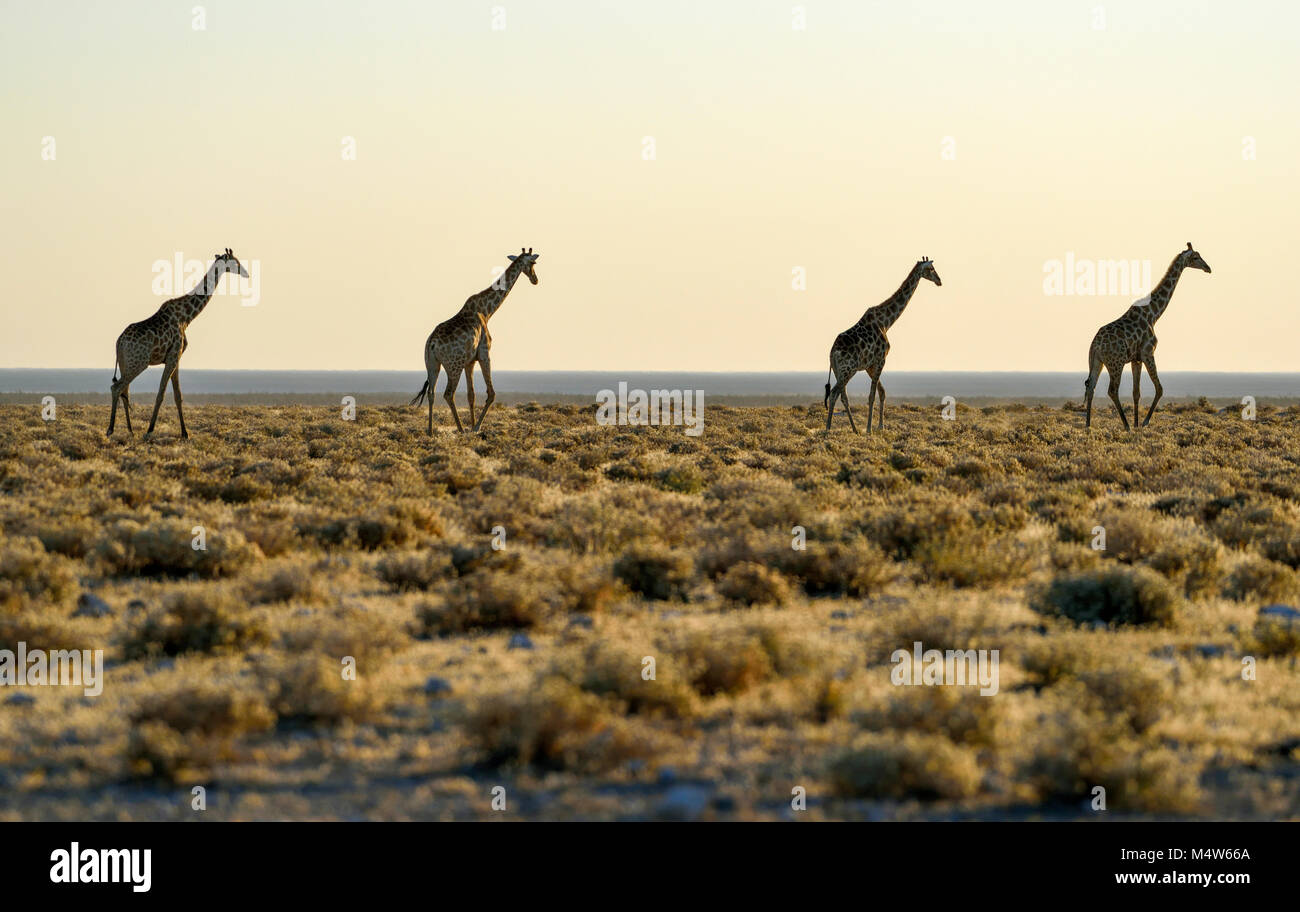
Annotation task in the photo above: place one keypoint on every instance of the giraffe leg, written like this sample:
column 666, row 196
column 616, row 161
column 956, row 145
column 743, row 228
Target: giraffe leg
column 838, row 391
column 1137, row 392
column 453, row 381
column 176, row 392
column 844, row 397
column 1113, row 373
column 1090, row 387
column 162, row 391
column 469, row 392
column 880, row 389
column 485, row 362
column 871, row 402
column 830, row 402
column 1150, row 362
column 126, row 409
column 112, row 416
column 433, row 383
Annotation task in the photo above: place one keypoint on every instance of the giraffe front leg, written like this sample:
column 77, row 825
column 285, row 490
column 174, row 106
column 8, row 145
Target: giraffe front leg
column 485, row 362
column 1155, row 379
column 176, row 392
column 162, row 391
column 880, row 389
column 1137, row 392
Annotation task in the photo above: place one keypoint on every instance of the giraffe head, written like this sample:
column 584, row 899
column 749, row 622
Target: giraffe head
column 526, row 260
column 226, row 262
column 926, row 265
column 1192, row 260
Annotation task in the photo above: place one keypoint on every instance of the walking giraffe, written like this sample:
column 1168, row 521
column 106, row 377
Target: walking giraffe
column 161, row 340
column 456, row 344
column 864, row 345
column 1132, row 340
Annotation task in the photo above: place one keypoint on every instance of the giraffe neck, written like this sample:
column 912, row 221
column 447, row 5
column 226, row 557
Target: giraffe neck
column 887, row 313
column 193, row 303
column 1164, row 289
column 489, row 300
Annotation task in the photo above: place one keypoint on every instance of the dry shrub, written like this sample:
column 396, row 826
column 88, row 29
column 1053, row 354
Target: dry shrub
column 312, row 690
column 960, row 714
column 176, row 735
column 485, row 602
column 856, row 568
column 1272, row 638
column 553, row 725
column 969, row 559
column 165, row 548
column 418, row 570
column 655, row 571
column 1257, row 578
column 1112, row 595
column 210, row 620
column 906, row 765
column 285, row 584
column 1191, row 558
column 1075, row 748
column 615, row 670
column 751, row 583
column 726, row 662
column 30, row 577
column 37, row 630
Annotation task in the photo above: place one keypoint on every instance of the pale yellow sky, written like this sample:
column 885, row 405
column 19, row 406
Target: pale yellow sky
column 775, row 148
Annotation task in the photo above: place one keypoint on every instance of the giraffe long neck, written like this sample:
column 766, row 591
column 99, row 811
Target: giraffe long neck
column 888, row 312
column 1164, row 289
column 198, row 299
column 489, row 300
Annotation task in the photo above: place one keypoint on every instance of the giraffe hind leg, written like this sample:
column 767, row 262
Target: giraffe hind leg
column 469, row 392
column 486, row 364
column 162, row 391
column 1113, row 373
column 453, row 381
column 126, row 409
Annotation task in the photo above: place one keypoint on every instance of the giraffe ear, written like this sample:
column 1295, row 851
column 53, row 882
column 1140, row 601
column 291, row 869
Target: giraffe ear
column 511, row 257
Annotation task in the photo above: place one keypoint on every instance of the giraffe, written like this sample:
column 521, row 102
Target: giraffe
column 161, row 340
column 1132, row 340
column 864, row 345
column 455, row 345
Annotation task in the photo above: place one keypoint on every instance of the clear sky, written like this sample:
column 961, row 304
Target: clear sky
column 775, row 148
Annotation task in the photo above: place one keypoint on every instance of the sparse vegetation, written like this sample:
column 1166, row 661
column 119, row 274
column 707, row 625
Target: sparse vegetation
column 318, row 613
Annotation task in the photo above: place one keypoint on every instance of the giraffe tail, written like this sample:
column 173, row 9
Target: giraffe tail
column 424, row 391
column 827, row 397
